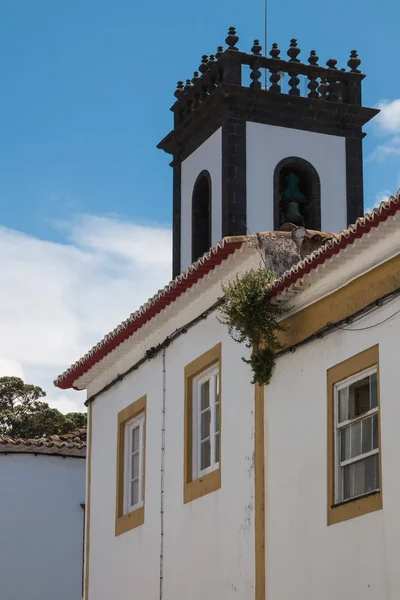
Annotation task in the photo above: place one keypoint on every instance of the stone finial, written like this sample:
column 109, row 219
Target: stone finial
column 354, row 62
column 293, row 51
column 195, row 77
column 219, row 52
column 188, row 84
column 211, row 60
column 323, row 88
column 274, row 52
column 204, row 64
column 179, row 89
column 331, row 63
column 256, row 49
column 313, row 58
column 232, row 39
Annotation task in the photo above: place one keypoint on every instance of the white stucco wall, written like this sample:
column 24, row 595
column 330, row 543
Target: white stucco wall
column 267, row 145
column 207, row 157
column 208, row 543
column 306, row 559
column 41, row 524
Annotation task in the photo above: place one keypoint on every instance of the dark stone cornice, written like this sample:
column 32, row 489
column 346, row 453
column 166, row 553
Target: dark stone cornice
column 258, row 106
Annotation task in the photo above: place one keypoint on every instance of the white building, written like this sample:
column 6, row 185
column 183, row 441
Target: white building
column 208, row 486
column 42, row 516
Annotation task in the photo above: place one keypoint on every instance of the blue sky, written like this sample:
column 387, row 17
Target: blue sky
column 86, row 88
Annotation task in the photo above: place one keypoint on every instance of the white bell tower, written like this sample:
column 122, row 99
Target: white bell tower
column 248, row 159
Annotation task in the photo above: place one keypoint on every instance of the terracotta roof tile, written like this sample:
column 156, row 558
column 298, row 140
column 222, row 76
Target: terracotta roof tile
column 73, row 443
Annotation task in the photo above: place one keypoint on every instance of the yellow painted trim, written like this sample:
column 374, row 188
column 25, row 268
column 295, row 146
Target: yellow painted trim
column 196, row 488
column 124, row 523
column 88, row 495
column 343, row 303
column 361, row 506
column 259, row 493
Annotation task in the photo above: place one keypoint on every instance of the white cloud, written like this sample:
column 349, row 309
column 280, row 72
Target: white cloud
column 380, row 197
column 388, row 120
column 389, row 148
column 58, row 299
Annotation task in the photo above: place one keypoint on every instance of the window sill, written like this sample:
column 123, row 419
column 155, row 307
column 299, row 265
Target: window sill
column 129, row 521
column 355, row 507
column 202, row 486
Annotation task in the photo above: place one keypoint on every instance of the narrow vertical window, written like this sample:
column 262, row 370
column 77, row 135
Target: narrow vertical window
column 134, row 459
column 201, row 216
column 206, row 422
column 131, row 468
column 202, row 432
column 357, row 448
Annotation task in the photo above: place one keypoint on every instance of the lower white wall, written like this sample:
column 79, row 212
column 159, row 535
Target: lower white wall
column 305, row 558
column 208, row 543
column 267, row 145
column 41, row 527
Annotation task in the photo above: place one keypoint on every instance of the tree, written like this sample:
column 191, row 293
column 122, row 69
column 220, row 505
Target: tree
column 23, row 414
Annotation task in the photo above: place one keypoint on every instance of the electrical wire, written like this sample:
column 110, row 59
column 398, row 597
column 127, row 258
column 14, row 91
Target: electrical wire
column 369, row 326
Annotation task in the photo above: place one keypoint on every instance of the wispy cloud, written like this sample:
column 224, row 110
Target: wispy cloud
column 380, row 197
column 388, row 120
column 389, row 148
column 387, row 125
column 58, row 299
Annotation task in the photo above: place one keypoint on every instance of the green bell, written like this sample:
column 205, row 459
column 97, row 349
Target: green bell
column 292, row 198
column 293, row 214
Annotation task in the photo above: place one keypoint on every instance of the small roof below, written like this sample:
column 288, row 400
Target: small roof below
column 70, row 444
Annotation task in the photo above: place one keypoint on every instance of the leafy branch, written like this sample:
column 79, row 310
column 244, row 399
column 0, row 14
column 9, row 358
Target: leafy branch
column 253, row 319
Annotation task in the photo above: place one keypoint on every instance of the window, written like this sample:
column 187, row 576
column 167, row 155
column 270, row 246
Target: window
column 357, row 464
column 201, row 216
column 134, row 473
column 206, row 422
column 354, row 481
column 202, row 468
column 131, row 466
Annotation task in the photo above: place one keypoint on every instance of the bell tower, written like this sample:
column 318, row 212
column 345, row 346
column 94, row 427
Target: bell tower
column 261, row 141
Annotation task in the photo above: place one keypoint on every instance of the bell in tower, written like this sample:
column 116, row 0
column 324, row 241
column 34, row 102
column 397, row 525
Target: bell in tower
column 248, row 158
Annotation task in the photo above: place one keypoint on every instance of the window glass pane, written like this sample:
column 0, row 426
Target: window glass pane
column 134, row 492
column 366, row 435
column 359, row 397
column 217, row 447
column 355, row 441
column 217, row 417
column 205, row 424
column 343, row 405
column 135, row 466
column 205, row 395
column 374, row 390
column 345, row 443
column 353, row 480
column 361, row 477
column 135, row 438
column 371, row 473
column 375, row 431
column 205, row 454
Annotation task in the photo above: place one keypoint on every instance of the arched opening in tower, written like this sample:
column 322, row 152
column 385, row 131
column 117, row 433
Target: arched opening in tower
column 297, row 194
column 201, row 215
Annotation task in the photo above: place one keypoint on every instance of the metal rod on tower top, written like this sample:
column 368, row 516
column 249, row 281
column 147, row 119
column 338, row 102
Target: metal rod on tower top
column 265, row 41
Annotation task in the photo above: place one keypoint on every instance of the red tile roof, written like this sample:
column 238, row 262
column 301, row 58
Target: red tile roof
column 145, row 313
column 208, row 262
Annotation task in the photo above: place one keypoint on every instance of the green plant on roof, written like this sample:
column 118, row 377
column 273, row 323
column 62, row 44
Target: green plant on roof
column 253, row 319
